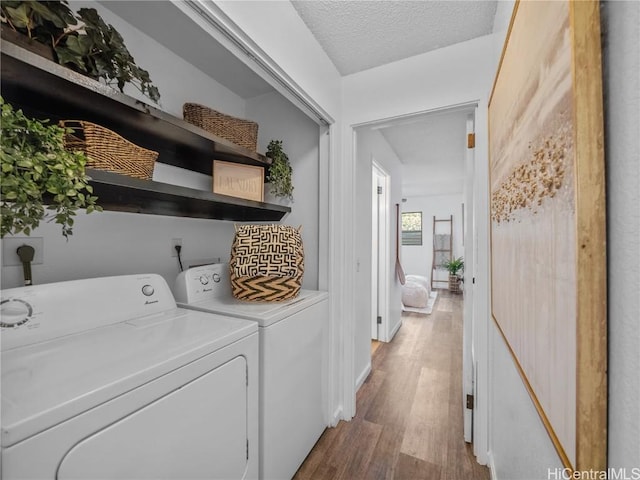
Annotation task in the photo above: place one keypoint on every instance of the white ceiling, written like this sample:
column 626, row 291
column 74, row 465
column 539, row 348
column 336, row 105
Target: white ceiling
column 432, row 150
column 358, row 35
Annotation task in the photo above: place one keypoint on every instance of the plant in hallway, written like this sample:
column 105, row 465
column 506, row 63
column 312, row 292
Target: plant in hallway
column 36, row 168
column 279, row 172
column 82, row 42
column 454, row 266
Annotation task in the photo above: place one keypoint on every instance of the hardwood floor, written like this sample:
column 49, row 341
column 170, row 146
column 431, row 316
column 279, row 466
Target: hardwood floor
column 408, row 424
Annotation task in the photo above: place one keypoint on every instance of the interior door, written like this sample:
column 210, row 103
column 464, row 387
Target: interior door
column 469, row 262
column 379, row 252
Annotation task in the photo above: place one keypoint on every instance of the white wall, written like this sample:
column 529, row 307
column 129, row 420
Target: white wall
column 115, row 243
column 278, row 30
column 177, row 80
column 454, row 75
column 621, row 25
column 417, row 259
column 280, row 35
column 520, row 445
column 371, row 145
column 280, row 120
column 448, row 76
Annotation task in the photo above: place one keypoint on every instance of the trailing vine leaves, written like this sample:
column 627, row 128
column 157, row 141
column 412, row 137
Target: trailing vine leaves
column 83, row 42
column 45, row 22
column 279, row 173
column 36, row 169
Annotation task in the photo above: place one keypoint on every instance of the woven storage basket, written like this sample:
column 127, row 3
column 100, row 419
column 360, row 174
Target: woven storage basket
column 241, row 132
column 267, row 263
column 109, row 151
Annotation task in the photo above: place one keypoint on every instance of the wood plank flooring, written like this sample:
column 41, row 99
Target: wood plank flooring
column 408, row 424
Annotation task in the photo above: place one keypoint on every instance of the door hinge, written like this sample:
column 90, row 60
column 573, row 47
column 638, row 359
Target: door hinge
column 471, row 140
column 379, row 319
column 470, row 402
column 473, row 280
column 379, row 190
column 247, row 449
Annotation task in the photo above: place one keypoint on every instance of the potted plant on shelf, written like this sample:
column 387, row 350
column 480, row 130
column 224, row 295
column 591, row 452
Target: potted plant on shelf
column 82, row 42
column 36, row 168
column 279, row 172
column 454, row 266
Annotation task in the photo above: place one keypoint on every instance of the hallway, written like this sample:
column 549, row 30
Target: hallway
column 409, row 411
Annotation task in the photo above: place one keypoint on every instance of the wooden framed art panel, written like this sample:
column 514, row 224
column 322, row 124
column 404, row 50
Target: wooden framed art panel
column 548, row 231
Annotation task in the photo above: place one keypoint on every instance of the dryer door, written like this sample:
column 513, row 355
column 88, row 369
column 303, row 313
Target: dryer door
column 197, row 431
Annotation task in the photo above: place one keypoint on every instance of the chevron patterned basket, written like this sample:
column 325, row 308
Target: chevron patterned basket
column 267, row 263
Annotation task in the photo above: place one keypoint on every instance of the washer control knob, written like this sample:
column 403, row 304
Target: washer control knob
column 14, row 312
column 216, row 277
column 148, row 290
column 204, row 280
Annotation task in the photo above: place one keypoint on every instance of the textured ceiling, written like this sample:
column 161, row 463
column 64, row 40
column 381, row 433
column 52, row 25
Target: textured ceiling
column 432, row 150
column 358, row 35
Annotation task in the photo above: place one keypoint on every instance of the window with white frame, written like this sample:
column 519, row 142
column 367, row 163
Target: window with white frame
column 412, row 228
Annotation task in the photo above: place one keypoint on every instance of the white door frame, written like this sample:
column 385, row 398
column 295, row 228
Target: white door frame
column 481, row 320
column 340, row 266
column 469, row 273
column 380, row 252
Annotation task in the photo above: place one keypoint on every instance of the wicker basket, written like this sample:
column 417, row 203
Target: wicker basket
column 109, row 151
column 241, row 132
column 267, row 263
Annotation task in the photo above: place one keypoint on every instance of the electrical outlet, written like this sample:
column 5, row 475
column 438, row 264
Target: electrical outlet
column 174, row 242
column 10, row 246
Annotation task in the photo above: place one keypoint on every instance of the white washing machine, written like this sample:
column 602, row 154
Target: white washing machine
column 293, row 363
column 106, row 378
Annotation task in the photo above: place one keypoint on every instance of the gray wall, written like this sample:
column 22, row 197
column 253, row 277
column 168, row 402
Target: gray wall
column 520, row 446
column 371, row 145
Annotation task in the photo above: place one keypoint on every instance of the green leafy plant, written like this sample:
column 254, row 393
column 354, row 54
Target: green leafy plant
column 37, row 169
column 82, row 42
column 279, row 172
column 455, row 265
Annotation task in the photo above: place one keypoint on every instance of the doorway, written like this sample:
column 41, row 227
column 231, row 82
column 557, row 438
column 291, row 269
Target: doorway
column 459, row 119
column 379, row 251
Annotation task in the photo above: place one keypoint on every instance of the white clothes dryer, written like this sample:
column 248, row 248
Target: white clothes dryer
column 293, row 363
column 106, row 378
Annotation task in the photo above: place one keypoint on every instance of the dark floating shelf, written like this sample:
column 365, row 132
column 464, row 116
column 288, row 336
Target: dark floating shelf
column 127, row 194
column 46, row 90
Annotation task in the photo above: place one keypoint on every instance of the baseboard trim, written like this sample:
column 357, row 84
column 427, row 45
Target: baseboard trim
column 395, row 330
column 363, row 376
column 337, row 416
column 492, row 466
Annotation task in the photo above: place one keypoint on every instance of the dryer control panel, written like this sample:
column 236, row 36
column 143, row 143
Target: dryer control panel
column 201, row 283
column 37, row 313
